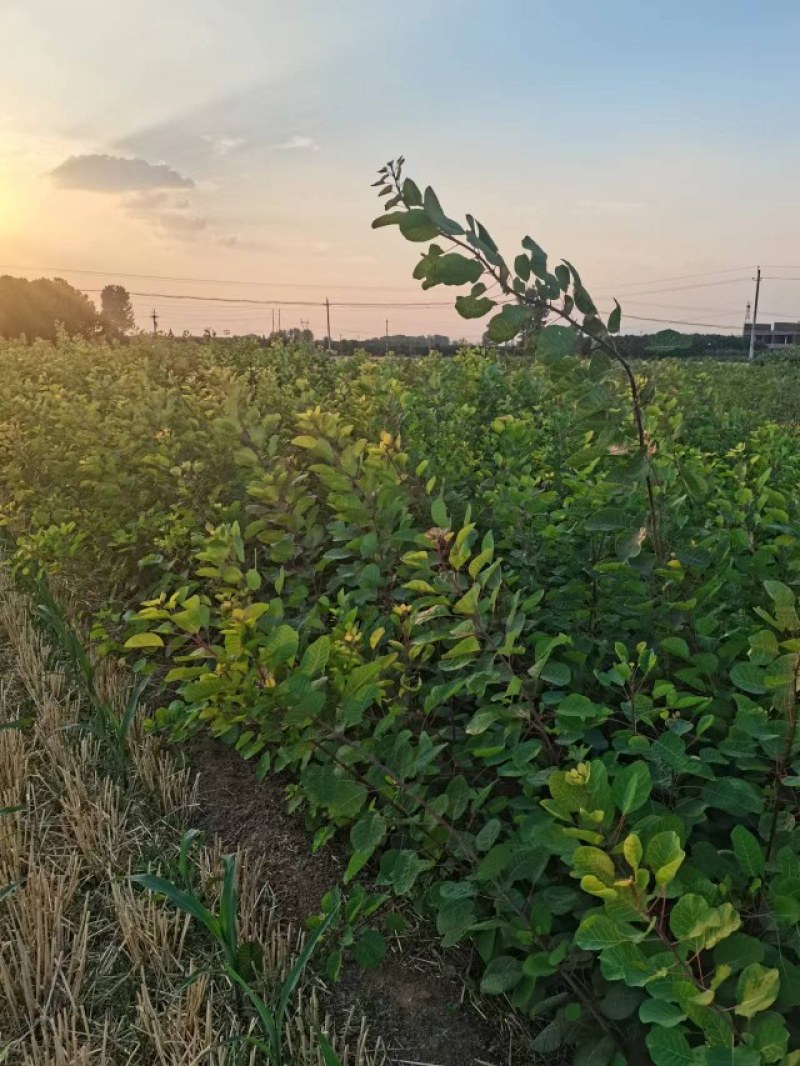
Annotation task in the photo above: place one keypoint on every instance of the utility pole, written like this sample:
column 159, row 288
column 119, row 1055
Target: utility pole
column 154, row 317
column 273, row 319
column 387, row 336
column 328, row 317
column 279, row 320
column 755, row 316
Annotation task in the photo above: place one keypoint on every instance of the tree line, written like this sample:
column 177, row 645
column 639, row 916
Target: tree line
column 45, row 306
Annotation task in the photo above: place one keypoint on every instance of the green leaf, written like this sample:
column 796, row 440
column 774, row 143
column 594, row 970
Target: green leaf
column 439, row 513
column 522, row 267
column 733, row 795
column 575, row 705
column 594, row 1052
column 500, row 976
column 488, row 834
column 738, row 951
column 400, row 869
column 631, row 787
column 341, row 796
column 664, row 856
column 144, row 640
column 474, row 306
column 748, row 851
column 669, row 1047
column 659, row 1012
column 780, row 594
column 594, row 861
column 369, row 949
column 494, row 862
column 412, row 197
column 281, row 645
column 454, row 918
column 688, row 915
column 607, row 519
column 368, row 832
column 316, row 656
column 416, row 226
column 598, row 930
column 450, row 269
column 467, row 646
column 676, row 646
column 632, row 850
column 433, row 209
column 555, row 342
column 615, row 319
column 693, row 920
column 505, row 325
column 583, row 300
column 748, row 678
column 194, row 616
column 392, row 218
column 770, row 1037
column 756, row 990
column 538, row 257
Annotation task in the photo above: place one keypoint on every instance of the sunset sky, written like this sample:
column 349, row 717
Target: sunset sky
column 235, row 142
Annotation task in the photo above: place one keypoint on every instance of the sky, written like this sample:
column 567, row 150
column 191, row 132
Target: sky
column 202, row 148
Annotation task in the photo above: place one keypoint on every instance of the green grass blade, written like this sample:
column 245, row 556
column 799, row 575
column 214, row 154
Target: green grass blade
column 18, row 723
column 329, row 1056
column 228, row 909
column 296, row 972
column 184, row 901
column 131, row 707
column 189, row 839
column 269, row 1021
column 9, row 890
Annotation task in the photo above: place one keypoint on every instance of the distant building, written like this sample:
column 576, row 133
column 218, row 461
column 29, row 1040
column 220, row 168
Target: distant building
column 777, row 335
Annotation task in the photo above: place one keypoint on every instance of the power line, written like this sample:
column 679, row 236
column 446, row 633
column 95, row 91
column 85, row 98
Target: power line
column 326, row 285
column 683, row 288
column 681, row 307
column 684, row 277
column 680, row 322
column 284, row 303
column 201, row 281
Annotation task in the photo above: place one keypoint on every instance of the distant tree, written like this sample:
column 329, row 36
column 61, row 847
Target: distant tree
column 117, row 312
column 293, row 335
column 40, row 308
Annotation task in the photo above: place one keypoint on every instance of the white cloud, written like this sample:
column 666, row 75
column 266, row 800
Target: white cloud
column 169, row 213
column 115, row 174
column 298, row 143
column 222, row 146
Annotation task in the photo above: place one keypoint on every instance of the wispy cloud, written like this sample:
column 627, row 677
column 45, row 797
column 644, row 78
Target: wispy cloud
column 164, row 201
column 115, row 174
column 298, row 144
column 171, row 214
column 156, row 199
column 221, row 145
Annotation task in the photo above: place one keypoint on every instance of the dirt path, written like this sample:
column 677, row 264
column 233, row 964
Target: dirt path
column 416, row 1000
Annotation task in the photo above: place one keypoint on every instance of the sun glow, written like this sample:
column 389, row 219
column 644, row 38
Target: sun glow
column 10, row 208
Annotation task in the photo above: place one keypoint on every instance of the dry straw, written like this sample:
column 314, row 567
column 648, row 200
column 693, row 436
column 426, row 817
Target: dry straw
column 93, row 971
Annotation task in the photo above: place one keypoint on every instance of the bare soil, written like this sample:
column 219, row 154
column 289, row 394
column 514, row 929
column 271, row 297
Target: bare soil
column 419, row 1000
